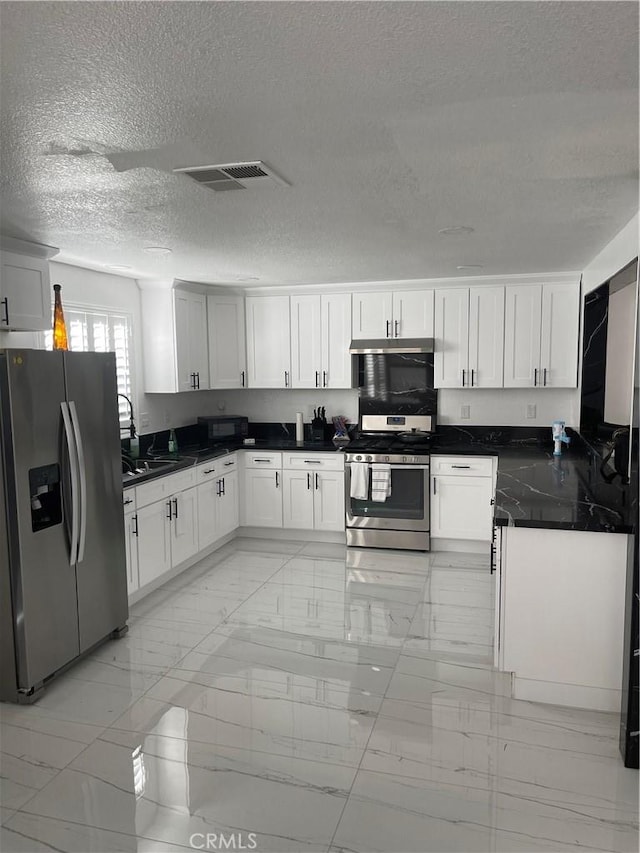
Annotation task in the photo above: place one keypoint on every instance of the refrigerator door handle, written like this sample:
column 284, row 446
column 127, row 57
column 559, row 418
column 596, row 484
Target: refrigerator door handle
column 83, row 480
column 75, row 484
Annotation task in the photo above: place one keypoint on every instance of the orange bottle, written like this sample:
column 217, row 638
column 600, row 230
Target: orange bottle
column 59, row 327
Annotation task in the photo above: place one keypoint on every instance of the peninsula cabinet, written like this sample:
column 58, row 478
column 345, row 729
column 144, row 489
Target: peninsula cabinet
column 541, row 336
column 393, row 314
column 227, row 348
column 469, row 337
column 25, row 293
column 320, row 337
column 462, row 490
column 268, row 342
column 174, row 340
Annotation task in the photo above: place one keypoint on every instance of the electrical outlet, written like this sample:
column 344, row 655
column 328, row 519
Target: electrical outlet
column 222, row 405
column 465, row 412
column 144, row 419
column 167, row 419
column 531, row 411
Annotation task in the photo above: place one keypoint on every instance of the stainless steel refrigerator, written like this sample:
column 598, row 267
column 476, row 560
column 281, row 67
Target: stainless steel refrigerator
column 63, row 582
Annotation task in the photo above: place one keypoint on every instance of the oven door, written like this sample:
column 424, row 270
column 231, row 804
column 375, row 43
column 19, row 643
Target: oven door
column 407, row 508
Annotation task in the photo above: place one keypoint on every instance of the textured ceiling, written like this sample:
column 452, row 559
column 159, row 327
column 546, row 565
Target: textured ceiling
column 390, row 121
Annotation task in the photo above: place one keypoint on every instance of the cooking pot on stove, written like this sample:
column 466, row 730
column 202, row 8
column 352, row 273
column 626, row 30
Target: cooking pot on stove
column 416, row 436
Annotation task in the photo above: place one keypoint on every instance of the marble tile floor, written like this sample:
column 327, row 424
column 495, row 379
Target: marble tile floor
column 282, row 696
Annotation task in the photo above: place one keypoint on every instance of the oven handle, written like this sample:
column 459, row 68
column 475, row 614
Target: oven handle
column 395, row 466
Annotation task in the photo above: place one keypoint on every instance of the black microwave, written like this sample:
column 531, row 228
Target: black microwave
column 215, row 428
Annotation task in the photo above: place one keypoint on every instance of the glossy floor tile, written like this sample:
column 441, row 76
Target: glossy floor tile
column 288, row 696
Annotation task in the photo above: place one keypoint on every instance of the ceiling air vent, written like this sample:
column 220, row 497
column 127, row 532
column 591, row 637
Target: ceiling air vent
column 234, row 176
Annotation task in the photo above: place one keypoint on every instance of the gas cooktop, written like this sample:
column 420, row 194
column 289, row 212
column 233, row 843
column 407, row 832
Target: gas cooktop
column 372, row 443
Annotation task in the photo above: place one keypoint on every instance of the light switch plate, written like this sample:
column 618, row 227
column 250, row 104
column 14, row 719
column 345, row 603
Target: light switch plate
column 465, row 412
column 144, row 419
column 531, row 410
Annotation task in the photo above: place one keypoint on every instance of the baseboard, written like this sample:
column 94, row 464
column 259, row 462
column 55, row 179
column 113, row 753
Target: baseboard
column 463, row 546
column 337, row 536
column 571, row 695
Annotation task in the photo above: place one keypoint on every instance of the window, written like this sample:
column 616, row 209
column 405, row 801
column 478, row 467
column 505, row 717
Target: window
column 102, row 331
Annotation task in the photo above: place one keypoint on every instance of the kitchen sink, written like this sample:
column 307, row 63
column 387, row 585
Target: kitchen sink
column 145, row 467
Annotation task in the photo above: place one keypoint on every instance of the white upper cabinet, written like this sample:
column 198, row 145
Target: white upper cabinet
column 541, row 336
column 393, row 314
column 469, row 337
column 174, row 340
column 227, row 348
column 268, row 342
column 25, row 293
column 320, row 336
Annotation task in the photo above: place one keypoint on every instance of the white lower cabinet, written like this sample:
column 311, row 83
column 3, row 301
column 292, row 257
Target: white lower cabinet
column 263, row 497
column 218, row 500
column 184, row 527
column 313, row 491
column 154, row 541
column 229, row 504
column 462, row 490
column 131, row 549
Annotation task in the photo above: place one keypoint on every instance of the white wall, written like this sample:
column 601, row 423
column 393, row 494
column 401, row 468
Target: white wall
column 278, row 406
column 616, row 254
column 508, row 406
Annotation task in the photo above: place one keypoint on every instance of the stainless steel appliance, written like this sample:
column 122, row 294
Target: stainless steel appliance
column 214, row 428
column 63, row 582
column 402, row 520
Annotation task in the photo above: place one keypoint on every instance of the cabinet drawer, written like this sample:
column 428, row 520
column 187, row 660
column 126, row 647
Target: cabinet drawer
column 207, row 471
column 129, row 499
column 226, row 464
column 476, row 466
column 162, row 487
column 263, row 460
column 314, row 461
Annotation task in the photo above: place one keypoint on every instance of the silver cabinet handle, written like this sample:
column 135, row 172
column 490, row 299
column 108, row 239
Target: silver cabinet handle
column 317, row 481
column 461, row 466
column 128, row 501
column 388, row 324
column 463, row 373
column 222, row 491
column 242, row 377
column 5, row 302
column 261, row 460
column 218, row 488
column 308, row 480
column 226, row 464
column 198, row 380
column 472, row 374
column 170, row 516
column 209, row 471
column 544, row 376
column 286, row 379
column 277, row 480
column 434, row 485
column 175, row 506
column 135, row 529
column 395, row 327
column 317, row 378
column 535, row 376
column 312, row 462
column 324, row 378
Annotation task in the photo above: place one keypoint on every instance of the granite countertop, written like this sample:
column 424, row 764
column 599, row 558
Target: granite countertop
column 536, row 489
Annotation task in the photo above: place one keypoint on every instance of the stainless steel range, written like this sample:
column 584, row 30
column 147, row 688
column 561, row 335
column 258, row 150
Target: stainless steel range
column 392, row 450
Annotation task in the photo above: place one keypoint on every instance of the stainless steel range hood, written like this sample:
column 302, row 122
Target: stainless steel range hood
column 369, row 346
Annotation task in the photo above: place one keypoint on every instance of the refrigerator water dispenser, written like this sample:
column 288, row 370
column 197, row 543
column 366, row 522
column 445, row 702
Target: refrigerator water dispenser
column 46, row 498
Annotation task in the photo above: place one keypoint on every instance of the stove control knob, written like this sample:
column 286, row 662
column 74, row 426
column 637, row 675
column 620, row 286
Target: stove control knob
column 386, row 458
column 404, row 459
column 369, row 458
column 358, row 458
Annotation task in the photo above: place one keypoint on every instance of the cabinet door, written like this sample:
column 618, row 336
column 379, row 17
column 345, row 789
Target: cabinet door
column 263, row 498
column 336, row 337
column 413, row 314
column 461, row 507
column 451, row 339
column 559, row 339
column 306, row 344
column 184, row 526
column 268, row 342
column 522, row 321
column 207, row 513
column 297, row 499
column 227, row 347
column 486, row 337
column 228, row 504
column 192, row 358
column 25, row 294
column 372, row 315
column 131, row 550
column 328, row 501
column 154, row 541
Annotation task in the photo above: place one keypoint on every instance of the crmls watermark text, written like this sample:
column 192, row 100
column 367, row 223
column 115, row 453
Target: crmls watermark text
column 222, row 841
